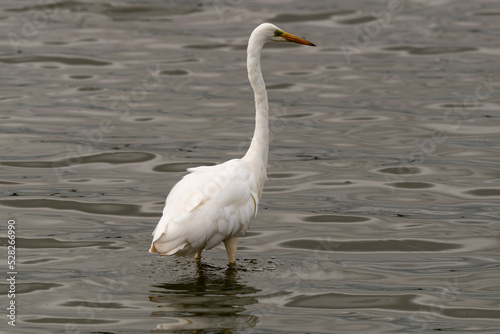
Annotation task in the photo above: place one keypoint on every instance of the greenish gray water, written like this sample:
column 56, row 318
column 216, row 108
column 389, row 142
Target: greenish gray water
column 381, row 211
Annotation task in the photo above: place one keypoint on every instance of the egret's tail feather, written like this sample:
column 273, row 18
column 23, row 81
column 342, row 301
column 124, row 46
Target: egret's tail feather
column 171, row 248
column 153, row 249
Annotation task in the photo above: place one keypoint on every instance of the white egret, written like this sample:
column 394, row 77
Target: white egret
column 213, row 204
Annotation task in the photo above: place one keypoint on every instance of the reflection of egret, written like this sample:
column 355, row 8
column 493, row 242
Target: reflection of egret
column 215, row 203
column 209, row 302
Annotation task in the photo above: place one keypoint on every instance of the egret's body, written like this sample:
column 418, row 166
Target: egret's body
column 213, row 204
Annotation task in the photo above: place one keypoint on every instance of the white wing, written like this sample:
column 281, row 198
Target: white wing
column 207, row 206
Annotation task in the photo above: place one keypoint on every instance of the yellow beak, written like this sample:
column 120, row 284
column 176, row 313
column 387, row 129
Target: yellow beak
column 295, row 39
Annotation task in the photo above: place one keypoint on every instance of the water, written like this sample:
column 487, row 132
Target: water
column 381, row 210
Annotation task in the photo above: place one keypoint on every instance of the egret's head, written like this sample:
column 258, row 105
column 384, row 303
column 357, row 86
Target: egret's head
column 274, row 34
column 281, row 36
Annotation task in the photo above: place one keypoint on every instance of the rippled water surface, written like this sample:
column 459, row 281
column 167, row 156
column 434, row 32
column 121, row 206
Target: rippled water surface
column 381, row 212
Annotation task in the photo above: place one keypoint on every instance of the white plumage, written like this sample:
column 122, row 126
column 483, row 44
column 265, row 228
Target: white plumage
column 206, row 207
column 213, row 204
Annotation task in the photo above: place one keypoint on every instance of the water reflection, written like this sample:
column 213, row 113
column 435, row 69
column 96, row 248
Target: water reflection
column 210, row 301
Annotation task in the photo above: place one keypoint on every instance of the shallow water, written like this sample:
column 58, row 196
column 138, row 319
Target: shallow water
column 381, row 210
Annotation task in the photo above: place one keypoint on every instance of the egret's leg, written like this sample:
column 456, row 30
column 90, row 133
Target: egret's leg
column 231, row 249
column 198, row 255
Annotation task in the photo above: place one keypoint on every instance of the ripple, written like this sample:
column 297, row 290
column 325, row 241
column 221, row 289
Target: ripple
column 39, row 243
column 116, row 13
column 487, row 13
column 182, row 60
column 281, row 175
column 388, row 245
column 401, row 302
column 9, row 182
column 280, row 86
column 113, row 158
column 28, row 164
column 174, row 72
column 89, row 89
column 93, row 208
column 412, row 185
column 134, row 12
column 66, row 60
column 175, row 167
column 118, row 158
column 41, row 260
column 82, row 303
column 295, row 116
column 484, row 192
column 208, row 46
column 80, row 77
column 430, row 50
column 400, row 170
column 335, row 219
column 22, row 287
column 309, row 17
column 350, row 301
column 358, row 20
column 61, row 320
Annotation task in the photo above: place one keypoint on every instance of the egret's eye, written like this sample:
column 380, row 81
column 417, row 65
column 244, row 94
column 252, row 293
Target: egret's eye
column 278, row 33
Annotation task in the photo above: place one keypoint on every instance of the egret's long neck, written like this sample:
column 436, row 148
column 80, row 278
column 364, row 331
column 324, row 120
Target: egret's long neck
column 259, row 148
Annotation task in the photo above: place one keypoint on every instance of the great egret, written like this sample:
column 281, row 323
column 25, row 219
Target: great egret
column 213, row 204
